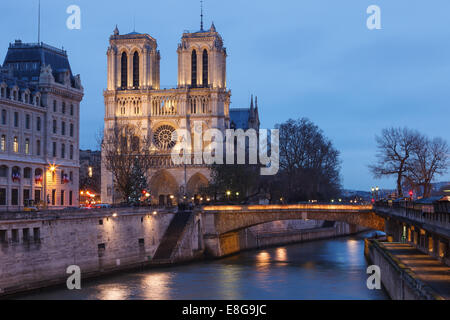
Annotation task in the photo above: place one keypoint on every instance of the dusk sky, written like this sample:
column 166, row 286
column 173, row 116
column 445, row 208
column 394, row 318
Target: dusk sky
column 302, row 58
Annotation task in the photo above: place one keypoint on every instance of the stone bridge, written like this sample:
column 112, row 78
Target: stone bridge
column 223, row 224
column 219, row 220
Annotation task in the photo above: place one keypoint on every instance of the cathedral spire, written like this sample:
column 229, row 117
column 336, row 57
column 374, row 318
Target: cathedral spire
column 201, row 15
column 251, row 105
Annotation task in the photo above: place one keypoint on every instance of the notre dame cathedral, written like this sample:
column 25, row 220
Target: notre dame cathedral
column 134, row 95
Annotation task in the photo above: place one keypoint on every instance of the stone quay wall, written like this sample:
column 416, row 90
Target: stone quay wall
column 36, row 249
column 398, row 280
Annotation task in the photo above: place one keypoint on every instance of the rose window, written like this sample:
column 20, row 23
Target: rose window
column 165, row 137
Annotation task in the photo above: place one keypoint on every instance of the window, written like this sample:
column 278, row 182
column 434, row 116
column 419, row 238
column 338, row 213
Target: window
column 53, row 197
column 38, row 147
column 36, row 235
column 63, row 150
column 2, row 197
column 3, row 171
column 3, row 143
column 63, row 128
column 15, row 235
column 27, row 146
column 26, row 234
column 15, row 197
column 16, row 119
column 71, row 109
column 70, row 198
column 62, row 197
column 71, row 152
column 63, row 108
column 194, row 68
column 16, row 145
column 27, row 173
column 124, row 71
column 54, row 105
column 3, row 236
column 4, row 114
column 27, row 121
column 38, row 123
column 71, row 130
column 136, row 70
column 54, row 149
column 26, row 195
column 205, row 68
column 71, row 176
column 55, row 126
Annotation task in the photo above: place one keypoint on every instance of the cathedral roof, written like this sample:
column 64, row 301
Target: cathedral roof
column 239, row 117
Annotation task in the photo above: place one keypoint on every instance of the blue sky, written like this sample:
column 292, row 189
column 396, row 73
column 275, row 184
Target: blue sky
column 302, row 58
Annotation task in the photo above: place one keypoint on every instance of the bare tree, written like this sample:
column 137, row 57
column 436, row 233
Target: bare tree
column 430, row 159
column 395, row 148
column 124, row 147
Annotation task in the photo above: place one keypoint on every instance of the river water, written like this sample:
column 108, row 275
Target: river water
column 328, row 269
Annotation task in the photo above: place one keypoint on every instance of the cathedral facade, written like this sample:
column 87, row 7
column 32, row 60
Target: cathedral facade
column 201, row 98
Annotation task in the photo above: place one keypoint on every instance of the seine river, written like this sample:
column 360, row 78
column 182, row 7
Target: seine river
column 329, row 269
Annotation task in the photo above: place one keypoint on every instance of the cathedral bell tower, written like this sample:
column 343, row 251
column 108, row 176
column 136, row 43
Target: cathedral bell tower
column 202, row 60
column 133, row 62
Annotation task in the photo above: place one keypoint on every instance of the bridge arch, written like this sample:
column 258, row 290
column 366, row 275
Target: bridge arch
column 222, row 220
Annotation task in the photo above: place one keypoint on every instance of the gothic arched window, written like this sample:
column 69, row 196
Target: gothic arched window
column 124, row 71
column 205, row 68
column 194, row 68
column 136, row 70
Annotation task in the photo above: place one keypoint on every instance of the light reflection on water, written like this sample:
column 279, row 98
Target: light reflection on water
column 329, row 269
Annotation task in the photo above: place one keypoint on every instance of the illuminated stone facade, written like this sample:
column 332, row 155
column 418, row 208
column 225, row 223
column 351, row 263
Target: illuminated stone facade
column 134, row 95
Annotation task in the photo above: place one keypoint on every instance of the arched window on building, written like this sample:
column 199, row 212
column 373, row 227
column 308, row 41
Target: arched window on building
column 205, row 68
column 27, row 173
column 124, row 71
column 136, row 70
column 3, row 171
column 194, row 68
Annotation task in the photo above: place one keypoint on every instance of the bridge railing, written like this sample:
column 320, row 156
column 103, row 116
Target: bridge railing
column 436, row 214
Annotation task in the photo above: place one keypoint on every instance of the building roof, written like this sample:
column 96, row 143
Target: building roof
column 26, row 59
column 239, row 117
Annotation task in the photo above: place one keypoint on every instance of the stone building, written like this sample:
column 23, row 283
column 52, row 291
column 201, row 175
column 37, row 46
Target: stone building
column 39, row 127
column 200, row 99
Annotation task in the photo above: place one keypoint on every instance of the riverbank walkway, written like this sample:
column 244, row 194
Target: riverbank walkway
column 427, row 269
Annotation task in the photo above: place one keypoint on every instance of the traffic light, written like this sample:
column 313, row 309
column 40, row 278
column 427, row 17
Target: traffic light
column 411, row 193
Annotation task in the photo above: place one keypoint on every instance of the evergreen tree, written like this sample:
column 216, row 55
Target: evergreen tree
column 139, row 184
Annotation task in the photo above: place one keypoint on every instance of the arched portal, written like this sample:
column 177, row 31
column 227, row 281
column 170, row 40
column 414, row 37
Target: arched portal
column 163, row 188
column 196, row 184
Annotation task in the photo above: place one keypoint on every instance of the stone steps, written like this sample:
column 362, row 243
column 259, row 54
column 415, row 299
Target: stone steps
column 172, row 235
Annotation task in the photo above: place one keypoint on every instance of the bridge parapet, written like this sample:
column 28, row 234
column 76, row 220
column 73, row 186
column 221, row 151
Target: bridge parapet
column 430, row 220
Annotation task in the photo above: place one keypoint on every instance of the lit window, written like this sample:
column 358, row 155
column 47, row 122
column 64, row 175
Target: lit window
column 16, row 145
